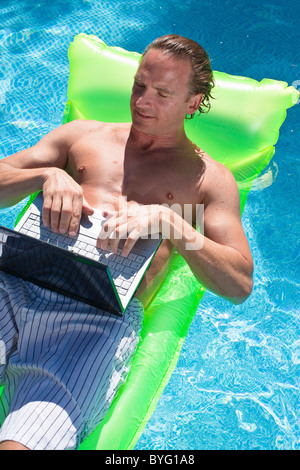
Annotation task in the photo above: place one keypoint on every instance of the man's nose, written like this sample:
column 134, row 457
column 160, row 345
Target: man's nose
column 144, row 100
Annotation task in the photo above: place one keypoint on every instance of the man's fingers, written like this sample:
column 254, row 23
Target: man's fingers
column 46, row 211
column 55, row 213
column 131, row 241
column 63, row 214
column 86, row 208
column 129, row 225
column 111, row 233
column 79, row 206
column 66, row 215
column 119, row 233
column 106, row 232
column 75, row 215
column 63, row 202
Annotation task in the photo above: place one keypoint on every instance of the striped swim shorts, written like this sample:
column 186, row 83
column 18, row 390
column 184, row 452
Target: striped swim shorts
column 61, row 364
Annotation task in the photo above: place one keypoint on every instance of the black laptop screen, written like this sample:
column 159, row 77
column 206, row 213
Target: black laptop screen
column 57, row 270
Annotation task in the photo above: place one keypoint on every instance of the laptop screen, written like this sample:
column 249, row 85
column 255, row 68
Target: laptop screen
column 63, row 272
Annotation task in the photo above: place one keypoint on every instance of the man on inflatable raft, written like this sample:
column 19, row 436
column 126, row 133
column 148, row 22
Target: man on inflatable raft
column 51, row 400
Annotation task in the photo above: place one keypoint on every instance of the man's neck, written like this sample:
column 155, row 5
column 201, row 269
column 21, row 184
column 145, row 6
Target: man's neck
column 149, row 142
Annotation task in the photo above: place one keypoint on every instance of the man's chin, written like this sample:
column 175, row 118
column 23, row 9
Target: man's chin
column 144, row 125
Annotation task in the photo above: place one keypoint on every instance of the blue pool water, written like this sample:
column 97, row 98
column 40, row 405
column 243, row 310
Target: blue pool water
column 236, row 385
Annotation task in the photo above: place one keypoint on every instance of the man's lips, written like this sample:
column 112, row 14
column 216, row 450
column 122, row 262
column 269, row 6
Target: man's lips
column 143, row 115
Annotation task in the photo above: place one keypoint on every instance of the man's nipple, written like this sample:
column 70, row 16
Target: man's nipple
column 80, row 173
column 170, row 196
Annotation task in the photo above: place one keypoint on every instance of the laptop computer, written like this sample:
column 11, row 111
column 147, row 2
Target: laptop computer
column 74, row 266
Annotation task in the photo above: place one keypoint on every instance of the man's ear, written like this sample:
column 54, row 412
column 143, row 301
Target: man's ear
column 195, row 101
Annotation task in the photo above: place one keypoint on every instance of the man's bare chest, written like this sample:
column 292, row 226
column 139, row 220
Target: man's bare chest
column 159, row 182
column 107, row 169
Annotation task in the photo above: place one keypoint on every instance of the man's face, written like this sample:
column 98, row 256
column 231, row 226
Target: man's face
column 159, row 100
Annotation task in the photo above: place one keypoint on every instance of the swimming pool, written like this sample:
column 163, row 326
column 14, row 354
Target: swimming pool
column 236, row 385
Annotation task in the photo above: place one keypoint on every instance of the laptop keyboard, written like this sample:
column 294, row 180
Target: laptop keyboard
column 123, row 270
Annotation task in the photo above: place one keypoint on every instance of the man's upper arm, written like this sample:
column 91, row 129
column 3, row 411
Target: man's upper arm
column 51, row 150
column 222, row 217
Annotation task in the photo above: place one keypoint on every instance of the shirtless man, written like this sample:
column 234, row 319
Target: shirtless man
column 84, row 165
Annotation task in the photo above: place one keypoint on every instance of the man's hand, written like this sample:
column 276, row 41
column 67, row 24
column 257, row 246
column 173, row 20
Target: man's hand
column 63, row 202
column 131, row 223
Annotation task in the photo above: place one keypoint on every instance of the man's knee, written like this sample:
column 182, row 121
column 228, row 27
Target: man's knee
column 12, row 445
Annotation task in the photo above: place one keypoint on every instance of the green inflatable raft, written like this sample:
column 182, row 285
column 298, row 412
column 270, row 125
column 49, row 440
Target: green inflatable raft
column 245, row 116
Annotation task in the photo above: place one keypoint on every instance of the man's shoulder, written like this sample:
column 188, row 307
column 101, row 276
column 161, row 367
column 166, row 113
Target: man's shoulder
column 83, row 128
column 216, row 169
column 86, row 125
column 92, row 125
column 218, row 180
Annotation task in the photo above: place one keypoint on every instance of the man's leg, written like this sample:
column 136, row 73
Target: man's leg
column 12, row 445
column 51, row 408
column 8, row 337
column 58, row 389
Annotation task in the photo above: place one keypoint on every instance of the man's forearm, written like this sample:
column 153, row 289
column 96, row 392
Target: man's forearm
column 221, row 269
column 17, row 183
